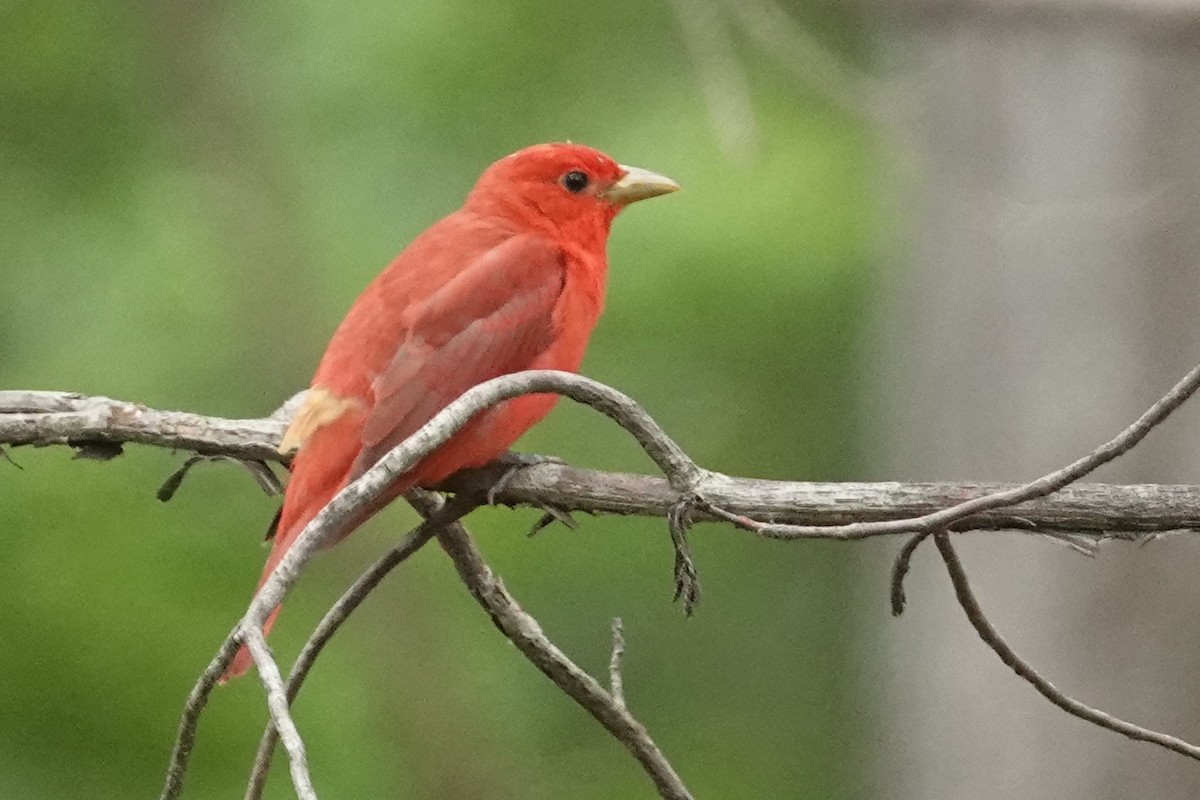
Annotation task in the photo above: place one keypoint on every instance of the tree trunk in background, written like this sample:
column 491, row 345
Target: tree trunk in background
column 1047, row 158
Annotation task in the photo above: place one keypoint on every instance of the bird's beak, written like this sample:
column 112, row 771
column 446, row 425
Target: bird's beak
column 638, row 184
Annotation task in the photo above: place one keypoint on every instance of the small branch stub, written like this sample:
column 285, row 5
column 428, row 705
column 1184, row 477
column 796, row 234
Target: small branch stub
column 615, row 681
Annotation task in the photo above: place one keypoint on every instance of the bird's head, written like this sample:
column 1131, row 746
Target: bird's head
column 569, row 188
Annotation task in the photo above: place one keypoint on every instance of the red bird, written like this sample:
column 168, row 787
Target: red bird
column 513, row 280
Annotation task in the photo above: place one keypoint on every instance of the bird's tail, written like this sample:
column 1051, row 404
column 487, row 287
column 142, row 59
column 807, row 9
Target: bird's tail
column 242, row 660
column 304, row 499
column 308, row 491
column 324, row 464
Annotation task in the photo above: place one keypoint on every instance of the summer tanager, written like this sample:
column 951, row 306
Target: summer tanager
column 513, row 280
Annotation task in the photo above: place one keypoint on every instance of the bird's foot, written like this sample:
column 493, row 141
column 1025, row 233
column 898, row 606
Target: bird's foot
column 489, row 483
column 513, row 463
column 491, row 480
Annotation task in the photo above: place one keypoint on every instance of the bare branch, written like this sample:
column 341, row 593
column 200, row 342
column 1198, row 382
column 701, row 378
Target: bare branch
column 1045, row 485
column 353, row 597
column 1122, row 443
column 281, row 715
column 45, row 418
column 900, row 571
column 1097, row 511
column 689, row 492
column 616, row 683
column 525, row 632
column 197, row 699
column 681, row 471
column 993, row 639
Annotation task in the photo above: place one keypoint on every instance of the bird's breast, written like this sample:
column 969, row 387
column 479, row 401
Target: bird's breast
column 578, row 308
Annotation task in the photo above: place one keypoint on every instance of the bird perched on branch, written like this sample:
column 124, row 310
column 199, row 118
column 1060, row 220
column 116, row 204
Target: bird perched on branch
column 513, row 280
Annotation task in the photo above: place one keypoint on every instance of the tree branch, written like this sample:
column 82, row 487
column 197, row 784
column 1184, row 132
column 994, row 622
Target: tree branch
column 196, row 701
column 992, row 638
column 525, row 632
column 46, row 418
column 1095, row 511
column 281, row 715
column 98, row 426
column 353, row 597
column 616, row 680
column 1049, row 483
column 681, row 472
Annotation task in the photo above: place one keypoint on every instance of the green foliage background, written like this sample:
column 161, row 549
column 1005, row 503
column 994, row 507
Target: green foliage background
column 191, row 195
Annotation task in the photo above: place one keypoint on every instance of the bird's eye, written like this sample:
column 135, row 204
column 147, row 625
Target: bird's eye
column 575, row 181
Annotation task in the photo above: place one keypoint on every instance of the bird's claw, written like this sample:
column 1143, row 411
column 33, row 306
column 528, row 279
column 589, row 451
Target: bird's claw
column 515, row 463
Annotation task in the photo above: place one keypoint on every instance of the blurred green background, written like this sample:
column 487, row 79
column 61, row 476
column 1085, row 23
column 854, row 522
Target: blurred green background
column 191, row 196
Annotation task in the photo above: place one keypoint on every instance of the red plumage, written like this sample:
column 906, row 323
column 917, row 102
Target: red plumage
column 513, row 280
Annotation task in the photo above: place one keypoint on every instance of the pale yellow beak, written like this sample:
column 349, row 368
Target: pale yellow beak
column 638, row 184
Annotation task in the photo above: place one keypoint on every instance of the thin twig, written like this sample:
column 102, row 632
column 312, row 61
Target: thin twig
column 281, row 715
column 900, row 571
column 185, row 739
column 350, row 600
column 944, row 518
column 993, row 639
column 267, row 480
column 525, row 632
column 900, row 567
column 616, row 683
column 4, row 456
column 1047, row 484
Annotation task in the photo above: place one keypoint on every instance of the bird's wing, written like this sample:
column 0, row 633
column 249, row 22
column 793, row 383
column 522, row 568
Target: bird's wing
column 493, row 318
